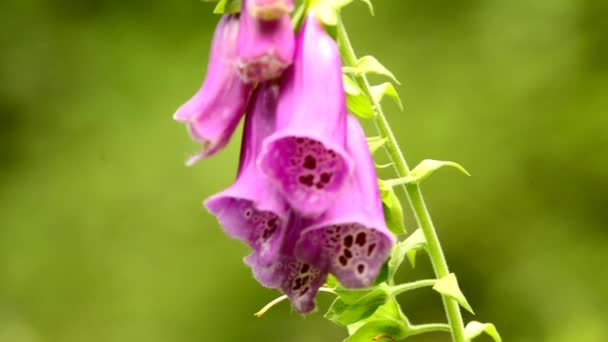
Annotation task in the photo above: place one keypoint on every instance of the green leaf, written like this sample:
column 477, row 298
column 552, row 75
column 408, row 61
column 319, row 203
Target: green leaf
column 474, row 329
column 386, row 323
column 350, row 86
column 393, row 212
column 227, row 6
column 423, row 170
column 413, row 243
column 360, row 105
column 375, row 143
column 370, row 65
column 448, row 286
column 354, row 305
column 370, row 6
column 331, row 281
column 387, row 88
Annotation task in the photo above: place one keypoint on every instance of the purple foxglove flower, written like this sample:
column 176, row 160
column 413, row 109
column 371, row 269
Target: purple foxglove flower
column 269, row 9
column 299, row 280
column 213, row 113
column 306, row 155
column 251, row 210
column 351, row 238
column 264, row 48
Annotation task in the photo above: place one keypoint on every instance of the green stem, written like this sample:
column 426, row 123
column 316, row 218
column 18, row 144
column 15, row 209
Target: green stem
column 413, row 192
column 398, row 289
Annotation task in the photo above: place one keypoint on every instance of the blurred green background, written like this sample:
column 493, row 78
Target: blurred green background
column 102, row 232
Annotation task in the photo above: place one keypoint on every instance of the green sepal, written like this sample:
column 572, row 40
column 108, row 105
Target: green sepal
column 448, row 286
column 331, row 282
column 388, row 89
column 360, row 105
column 227, row 6
column 369, row 65
column 474, row 329
column 354, row 305
column 393, row 212
column 414, row 242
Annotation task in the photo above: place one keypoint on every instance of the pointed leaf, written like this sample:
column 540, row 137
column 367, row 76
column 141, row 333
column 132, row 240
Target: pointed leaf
column 388, row 89
column 384, row 166
column 360, row 105
column 428, row 166
column 370, row 6
column 350, row 86
column 413, row 243
column 386, row 324
column 448, row 286
column 474, row 329
column 352, row 306
column 393, row 212
column 375, row 143
column 331, row 281
column 370, row 65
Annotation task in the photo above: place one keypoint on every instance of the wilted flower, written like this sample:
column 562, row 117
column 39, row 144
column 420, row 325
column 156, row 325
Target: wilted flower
column 264, row 48
column 214, row 112
column 269, row 9
column 250, row 209
column 351, row 238
column 299, row 280
column 306, row 154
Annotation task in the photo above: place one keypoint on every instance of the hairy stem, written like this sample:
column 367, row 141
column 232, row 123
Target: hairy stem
column 413, row 192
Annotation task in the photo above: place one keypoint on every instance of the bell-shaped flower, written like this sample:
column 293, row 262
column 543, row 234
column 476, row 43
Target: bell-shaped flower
column 296, row 278
column 264, row 48
column 269, row 9
column 351, row 239
column 306, row 155
column 251, row 210
column 214, row 112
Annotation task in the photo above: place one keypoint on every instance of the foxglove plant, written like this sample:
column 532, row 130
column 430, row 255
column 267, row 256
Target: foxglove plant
column 306, row 199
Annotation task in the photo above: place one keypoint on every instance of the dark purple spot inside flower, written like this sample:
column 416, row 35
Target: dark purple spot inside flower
column 360, row 268
column 320, row 186
column 307, row 180
column 348, row 240
column 370, row 249
column 343, row 260
column 304, row 291
column 325, row 177
column 348, row 254
column 361, row 239
column 305, row 280
column 298, row 284
column 310, row 163
column 305, row 268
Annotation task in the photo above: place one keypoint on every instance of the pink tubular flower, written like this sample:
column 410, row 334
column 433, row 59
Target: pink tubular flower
column 299, row 280
column 264, row 48
column 269, row 9
column 214, row 112
column 250, row 209
column 306, row 156
column 351, row 238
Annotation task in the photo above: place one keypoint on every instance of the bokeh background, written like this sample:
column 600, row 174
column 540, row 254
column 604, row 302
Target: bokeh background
column 102, row 234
